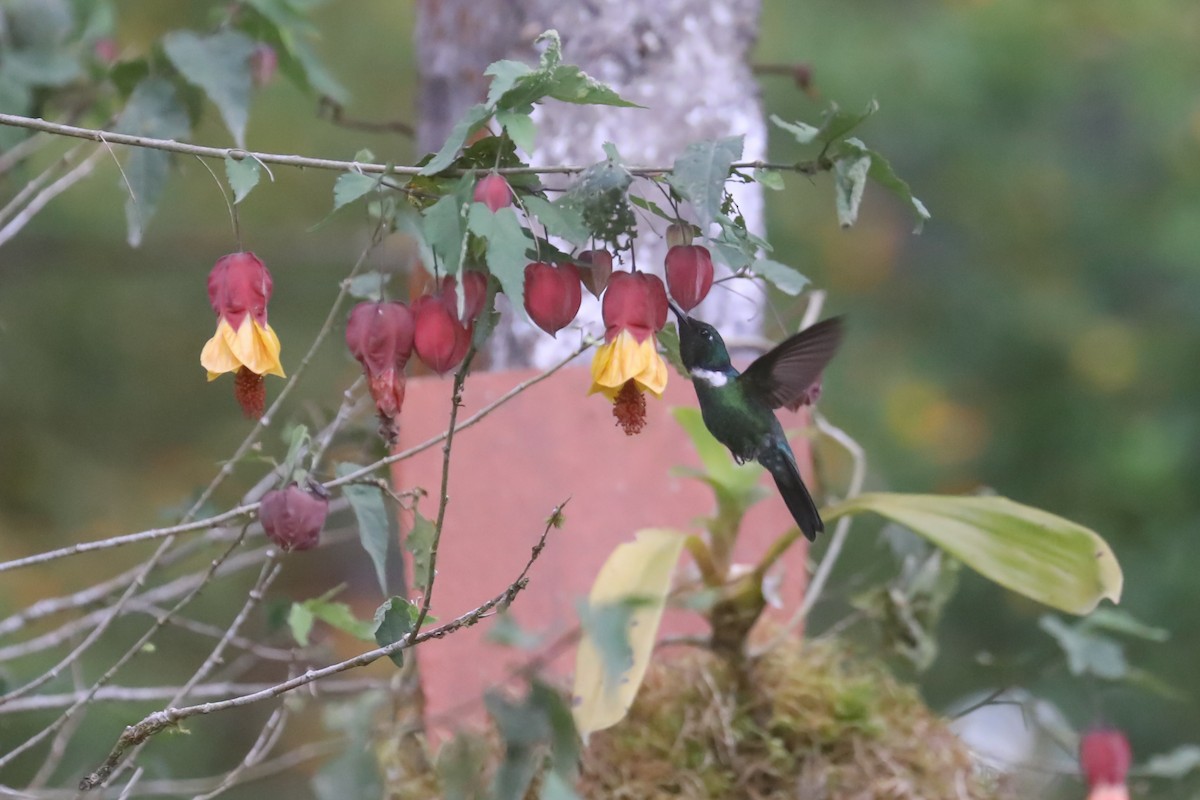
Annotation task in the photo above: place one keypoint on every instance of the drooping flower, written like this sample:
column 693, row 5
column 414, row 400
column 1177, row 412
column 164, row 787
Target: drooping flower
column 689, row 269
column 494, row 192
column 552, row 295
column 441, row 341
column 1105, row 757
column 293, row 517
column 239, row 287
column 634, row 308
column 380, row 336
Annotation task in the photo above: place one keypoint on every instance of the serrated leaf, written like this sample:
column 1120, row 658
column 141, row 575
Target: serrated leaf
column 374, row 530
column 419, row 542
column 668, row 339
column 505, row 74
column 243, row 175
column 350, row 186
column 700, row 174
column 782, row 277
column 520, row 128
column 637, row 577
column 1087, row 653
column 471, row 122
column 882, row 173
column 220, row 66
column 802, row 131
column 850, row 179
column 570, row 84
column 506, row 248
column 337, row 615
column 561, row 221
column 393, row 621
column 153, row 110
column 1032, row 552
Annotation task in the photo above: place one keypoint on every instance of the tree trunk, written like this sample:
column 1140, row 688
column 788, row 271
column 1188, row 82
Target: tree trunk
column 684, row 60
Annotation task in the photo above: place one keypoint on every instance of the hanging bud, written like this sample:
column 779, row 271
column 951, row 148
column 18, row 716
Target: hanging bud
column 689, row 274
column 679, row 234
column 1105, row 757
column 441, row 341
column 597, row 267
column 552, row 295
column 263, row 63
column 475, row 284
column 293, row 517
column 494, row 192
column 634, row 301
column 380, row 337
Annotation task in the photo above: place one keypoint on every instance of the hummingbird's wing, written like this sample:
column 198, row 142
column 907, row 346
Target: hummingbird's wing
column 782, row 376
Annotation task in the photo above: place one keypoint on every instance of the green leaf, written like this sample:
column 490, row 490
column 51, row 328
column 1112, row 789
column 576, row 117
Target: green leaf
column 570, row 84
column 1114, row 620
column 220, row 66
column 564, row 738
column 338, row 615
column 475, row 118
column 368, row 286
column 700, row 174
column 1173, row 765
column 153, row 110
column 299, row 441
column 505, row 75
column 599, row 198
column 242, row 175
column 668, row 340
column 445, row 230
column 564, row 222
column 770, row 178
column 850, row 179
column 652, row 207
column 507, row 633
column 42, row 67
column 37, row 23
column 350, row 186
column 374, row 530
column 1030, row 551
column 719, row 465
column 882, row 173
column 784, row 278
column 555, row 788
column 506, row 248
column 1087, row 653
column 519, row 127
column 419, row 542
column 838, row 124
column 804, row 133
column 393, row 621
column 620, row 624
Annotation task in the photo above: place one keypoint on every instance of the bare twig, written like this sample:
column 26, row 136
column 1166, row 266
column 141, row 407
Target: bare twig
column 169, row 717
column 337, row 115
column 268, row 737
column 172, row 146
column 22, row 218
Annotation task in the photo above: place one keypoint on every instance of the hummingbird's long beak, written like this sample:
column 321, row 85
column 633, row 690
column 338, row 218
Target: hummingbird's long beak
column 679, row 314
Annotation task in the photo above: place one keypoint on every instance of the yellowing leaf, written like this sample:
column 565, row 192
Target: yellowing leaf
column 1030, row 551
column 637, row 574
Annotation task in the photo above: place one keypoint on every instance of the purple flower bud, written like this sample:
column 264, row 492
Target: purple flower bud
column 293, row 517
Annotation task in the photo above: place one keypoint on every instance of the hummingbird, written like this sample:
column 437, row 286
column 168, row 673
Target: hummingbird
column 739, row 408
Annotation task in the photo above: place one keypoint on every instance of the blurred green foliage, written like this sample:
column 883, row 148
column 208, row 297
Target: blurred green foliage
column 1041, row 336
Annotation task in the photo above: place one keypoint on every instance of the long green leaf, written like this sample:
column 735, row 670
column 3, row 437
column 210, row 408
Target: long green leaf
column 374, row 530
column 219, row 65
column 1030, row 551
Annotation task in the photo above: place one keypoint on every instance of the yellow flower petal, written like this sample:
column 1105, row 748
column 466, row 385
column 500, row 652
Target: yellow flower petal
column 255, row 347
column 626, row 359
column 216, row 357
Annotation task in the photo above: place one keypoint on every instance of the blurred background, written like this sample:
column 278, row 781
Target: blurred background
column 1041, row 337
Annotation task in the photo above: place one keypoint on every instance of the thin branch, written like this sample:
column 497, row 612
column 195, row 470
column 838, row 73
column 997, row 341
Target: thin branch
column 337, row 115
column 158, row 721
column 39, row 201
column 237, row 154
column 460, row 378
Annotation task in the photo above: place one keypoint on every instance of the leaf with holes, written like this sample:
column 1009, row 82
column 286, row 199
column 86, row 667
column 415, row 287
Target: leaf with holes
column 700, row 174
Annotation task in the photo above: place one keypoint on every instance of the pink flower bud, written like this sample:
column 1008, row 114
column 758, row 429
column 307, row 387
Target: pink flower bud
column 264, row 61
column 636, row 302
column 441, row 341
column 494, row 192
column 1105, row 756
column 293, row 517
column 552, row 295
column 597, row 267
column 689, row 274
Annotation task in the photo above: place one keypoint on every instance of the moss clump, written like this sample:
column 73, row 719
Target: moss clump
column 804, row 720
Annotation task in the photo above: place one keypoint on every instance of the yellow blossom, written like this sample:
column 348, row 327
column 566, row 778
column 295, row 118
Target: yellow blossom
column 626, row 359
column 253, row 346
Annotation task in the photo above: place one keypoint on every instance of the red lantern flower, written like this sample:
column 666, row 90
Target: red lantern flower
column 494, row 192
column 1105, row 756
column 441, row 341
column 293, row 517
column 597, row 267
column 239, row 287
column 475, row 286
column 628, row 363
column 380, row 336
column 689, row 274
column 552, row 295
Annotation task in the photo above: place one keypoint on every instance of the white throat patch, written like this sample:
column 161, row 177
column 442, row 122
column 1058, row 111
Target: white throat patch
column 712, row 377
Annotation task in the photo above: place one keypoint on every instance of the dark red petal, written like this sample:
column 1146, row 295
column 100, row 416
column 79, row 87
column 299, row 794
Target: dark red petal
column 240, row 284
column 293, row 517
column 440, row 340
column 689, row 271
column 1105, row 756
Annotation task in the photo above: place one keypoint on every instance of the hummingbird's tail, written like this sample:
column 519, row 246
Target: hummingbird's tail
column 781, row 464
